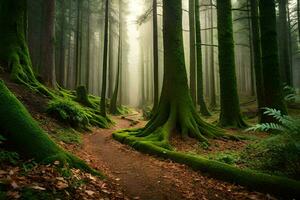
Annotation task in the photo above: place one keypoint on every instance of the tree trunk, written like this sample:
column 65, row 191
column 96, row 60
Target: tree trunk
column 104, row 74
column 49, row 44
column 155, row 55
column 298, row 18
column 284, row 56
column 87, row 72
column 230, row 115
column 192, row 50
column 200, row 96
column 257, row 57
column 271, row 76
column 176, row 109
column 213, row 98
column 113, row 102
column 62, row 67
column 78, row 44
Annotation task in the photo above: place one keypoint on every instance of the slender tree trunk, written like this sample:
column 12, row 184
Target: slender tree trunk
column 62, row 67
column 213, row 98
column 49, row 46
column 284, row 58
column 298, row 18
column 88, row 57
column 78, row 44
column 230, row 115
column 104, row 74
column 273, row 97
column 113, row 103
column 155, row 55
column 257, row 57
column 200, row 96
column 192, row 50
column 251, row 49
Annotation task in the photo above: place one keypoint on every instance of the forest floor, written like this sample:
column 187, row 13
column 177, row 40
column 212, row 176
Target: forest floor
column 130, row 174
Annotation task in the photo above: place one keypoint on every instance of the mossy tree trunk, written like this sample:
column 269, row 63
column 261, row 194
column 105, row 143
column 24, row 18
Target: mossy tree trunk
column 284, row 51
column 200, row 96
column 104, row 73
column 257, row 56
column 176, row 112
column 13, row 47
column 272, row 85
column 192, row 51
column 155, row 55
column 230, row 115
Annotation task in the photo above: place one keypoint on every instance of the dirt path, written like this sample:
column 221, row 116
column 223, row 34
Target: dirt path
column 145, row 177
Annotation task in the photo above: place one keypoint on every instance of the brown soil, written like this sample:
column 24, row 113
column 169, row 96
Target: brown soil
column 146, row 177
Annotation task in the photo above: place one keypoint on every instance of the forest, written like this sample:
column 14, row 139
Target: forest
column 149, row 99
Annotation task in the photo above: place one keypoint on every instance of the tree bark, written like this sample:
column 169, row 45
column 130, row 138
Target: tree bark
column 155, row 55
column 200, row 96
column 230, row 115
column 49, row 44
column 257, row 57
column 192, row 50
column 271, row 76
column 104, row 74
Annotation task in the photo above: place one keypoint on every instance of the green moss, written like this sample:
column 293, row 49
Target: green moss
column 82, row 97
column 27, row 138
column 249, row 178
column 276, row 155
column 69, row 136
column 9, row 157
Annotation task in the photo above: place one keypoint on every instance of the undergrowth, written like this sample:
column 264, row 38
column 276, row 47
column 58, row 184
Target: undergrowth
column 280, row 153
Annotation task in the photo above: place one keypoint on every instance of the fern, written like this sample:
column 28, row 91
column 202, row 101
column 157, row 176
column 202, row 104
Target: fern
column 286, row 124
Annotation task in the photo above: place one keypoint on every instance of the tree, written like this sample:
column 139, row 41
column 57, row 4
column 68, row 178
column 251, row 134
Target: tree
column 113, row 102
column 176, row 110
column 104, row 74
column 61, row 77
column 298, row 18
column 273, row 95
column 48, row 67
column 192, row 50
column 155, row 55
column 284, row 51
column 78, row 43
column 257, row 56
column 230, row 108
column 200, row 96
column 32, row 141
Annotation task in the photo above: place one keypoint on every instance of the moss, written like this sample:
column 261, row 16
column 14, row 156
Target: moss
column 82, row 97
column 27, row 138
column 275, row 155
column 249, row 178
column 69, row 136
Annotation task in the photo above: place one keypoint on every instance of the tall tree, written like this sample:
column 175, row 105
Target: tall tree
column 230, row 107
column 257, row 56
column 273, row 95
column 298, row 18
column 113, row 102
column 78, row 43
column 284, row 56
column 155, row 54
column 200, row 96
column 88, row 51
column 61, row 77
column 176, row 109
column 192, row 50
column 104, row 73
column 213, row 98
column 49, row 44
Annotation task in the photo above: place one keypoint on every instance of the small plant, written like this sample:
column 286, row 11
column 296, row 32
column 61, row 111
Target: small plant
column 286, row 124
